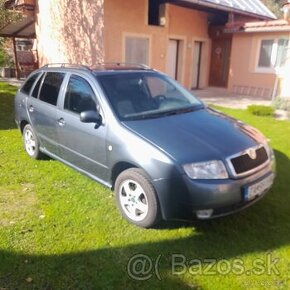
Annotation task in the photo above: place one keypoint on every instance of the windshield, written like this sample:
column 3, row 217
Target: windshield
column 141, row 95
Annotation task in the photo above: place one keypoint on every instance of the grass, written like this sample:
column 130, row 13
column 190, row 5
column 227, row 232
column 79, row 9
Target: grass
column 61, row 230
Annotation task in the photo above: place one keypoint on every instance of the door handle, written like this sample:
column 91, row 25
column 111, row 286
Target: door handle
column 31, row 109
column 61, row 121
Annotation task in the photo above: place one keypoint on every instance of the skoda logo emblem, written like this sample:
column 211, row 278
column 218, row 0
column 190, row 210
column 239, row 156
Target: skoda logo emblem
column 252, row 153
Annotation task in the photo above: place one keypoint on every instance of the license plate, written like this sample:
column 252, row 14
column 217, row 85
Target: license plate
column 258, row 188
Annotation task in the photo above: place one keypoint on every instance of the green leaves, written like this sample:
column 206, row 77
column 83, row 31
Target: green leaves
column 8, row 15
column 275, row 6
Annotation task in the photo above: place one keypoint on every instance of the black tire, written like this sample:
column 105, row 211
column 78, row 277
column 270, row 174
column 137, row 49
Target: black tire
column 137, row 181
column 32, row 148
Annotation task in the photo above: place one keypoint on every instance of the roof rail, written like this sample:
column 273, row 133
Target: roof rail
column 123, row 64
column 68, row 65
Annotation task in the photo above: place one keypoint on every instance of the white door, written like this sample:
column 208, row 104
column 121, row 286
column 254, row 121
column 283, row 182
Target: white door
column 172, row 58
column 196, row 64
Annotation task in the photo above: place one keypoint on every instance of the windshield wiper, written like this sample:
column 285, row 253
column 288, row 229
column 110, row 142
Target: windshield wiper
column 179, row 111
column 165, row 113
column 182, row 110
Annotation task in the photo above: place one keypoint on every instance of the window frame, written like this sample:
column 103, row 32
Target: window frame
column 40, row 77
column 274, row 54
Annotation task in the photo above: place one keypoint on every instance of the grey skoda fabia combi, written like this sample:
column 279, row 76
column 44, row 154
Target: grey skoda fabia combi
column 164, row 153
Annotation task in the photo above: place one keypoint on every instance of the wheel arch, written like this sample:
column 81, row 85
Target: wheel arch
column 118, row 168
column 23, row 123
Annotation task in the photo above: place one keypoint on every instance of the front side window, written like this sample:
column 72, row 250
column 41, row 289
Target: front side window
column 51, row 87
column 29, row 83
column 146, row 95
column 273, row 53
column 79, row 96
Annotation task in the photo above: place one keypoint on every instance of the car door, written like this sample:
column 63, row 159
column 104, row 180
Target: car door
column 42, row 109
column 82, row 144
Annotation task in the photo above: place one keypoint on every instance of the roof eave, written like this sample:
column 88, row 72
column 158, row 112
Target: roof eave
column 256, row 30
column 220, row 7
column 25, row 30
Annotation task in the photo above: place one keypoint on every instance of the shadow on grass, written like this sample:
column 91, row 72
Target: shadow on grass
column 7, row 108
column 260, row 229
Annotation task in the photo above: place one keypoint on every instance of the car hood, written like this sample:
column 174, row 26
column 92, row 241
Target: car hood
column 197, row 136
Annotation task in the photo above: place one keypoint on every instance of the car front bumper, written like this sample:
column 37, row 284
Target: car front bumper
column 182, row 198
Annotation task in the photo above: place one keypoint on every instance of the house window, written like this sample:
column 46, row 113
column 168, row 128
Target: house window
column 156, row 12
column 266, row 53
column 273, row 53
column 282, row 52
column 137, row 50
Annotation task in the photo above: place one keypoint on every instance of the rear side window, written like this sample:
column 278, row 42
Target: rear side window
column 79, row 96
column 28, row 84
column 50, row 88
column 36, row 88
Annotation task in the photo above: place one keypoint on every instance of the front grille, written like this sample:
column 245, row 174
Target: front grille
column 244, row 163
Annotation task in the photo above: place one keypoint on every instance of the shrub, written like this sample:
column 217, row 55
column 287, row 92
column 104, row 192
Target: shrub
column 260, row 110
column 4, row 58
column 282, row 104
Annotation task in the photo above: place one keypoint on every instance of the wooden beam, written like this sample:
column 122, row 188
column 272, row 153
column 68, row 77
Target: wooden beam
column 18, row 35
column 16, row 59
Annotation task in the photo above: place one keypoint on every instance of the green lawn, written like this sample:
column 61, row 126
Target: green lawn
column 61, row 230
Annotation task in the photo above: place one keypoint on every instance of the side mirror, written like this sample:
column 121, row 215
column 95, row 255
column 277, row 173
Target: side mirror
column 91, row 117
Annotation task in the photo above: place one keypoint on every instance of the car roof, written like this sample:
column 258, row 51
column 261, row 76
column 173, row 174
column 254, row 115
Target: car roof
column 103, row 68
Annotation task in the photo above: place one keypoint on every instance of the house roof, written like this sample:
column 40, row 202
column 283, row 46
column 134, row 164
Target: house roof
column 247, row 7
column 267, row 26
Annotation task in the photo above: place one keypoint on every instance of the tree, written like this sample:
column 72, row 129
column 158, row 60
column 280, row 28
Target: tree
column 8, row 15
column 6, row 60
column 275, row 6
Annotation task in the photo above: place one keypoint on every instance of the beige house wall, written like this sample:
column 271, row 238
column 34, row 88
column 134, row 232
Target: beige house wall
column 190, row 26
column 90, row 32
column 245, row 78
column 70, row 31
column 130, row 18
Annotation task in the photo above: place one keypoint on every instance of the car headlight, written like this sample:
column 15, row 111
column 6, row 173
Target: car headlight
column 271, row 155
column 206, row 170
